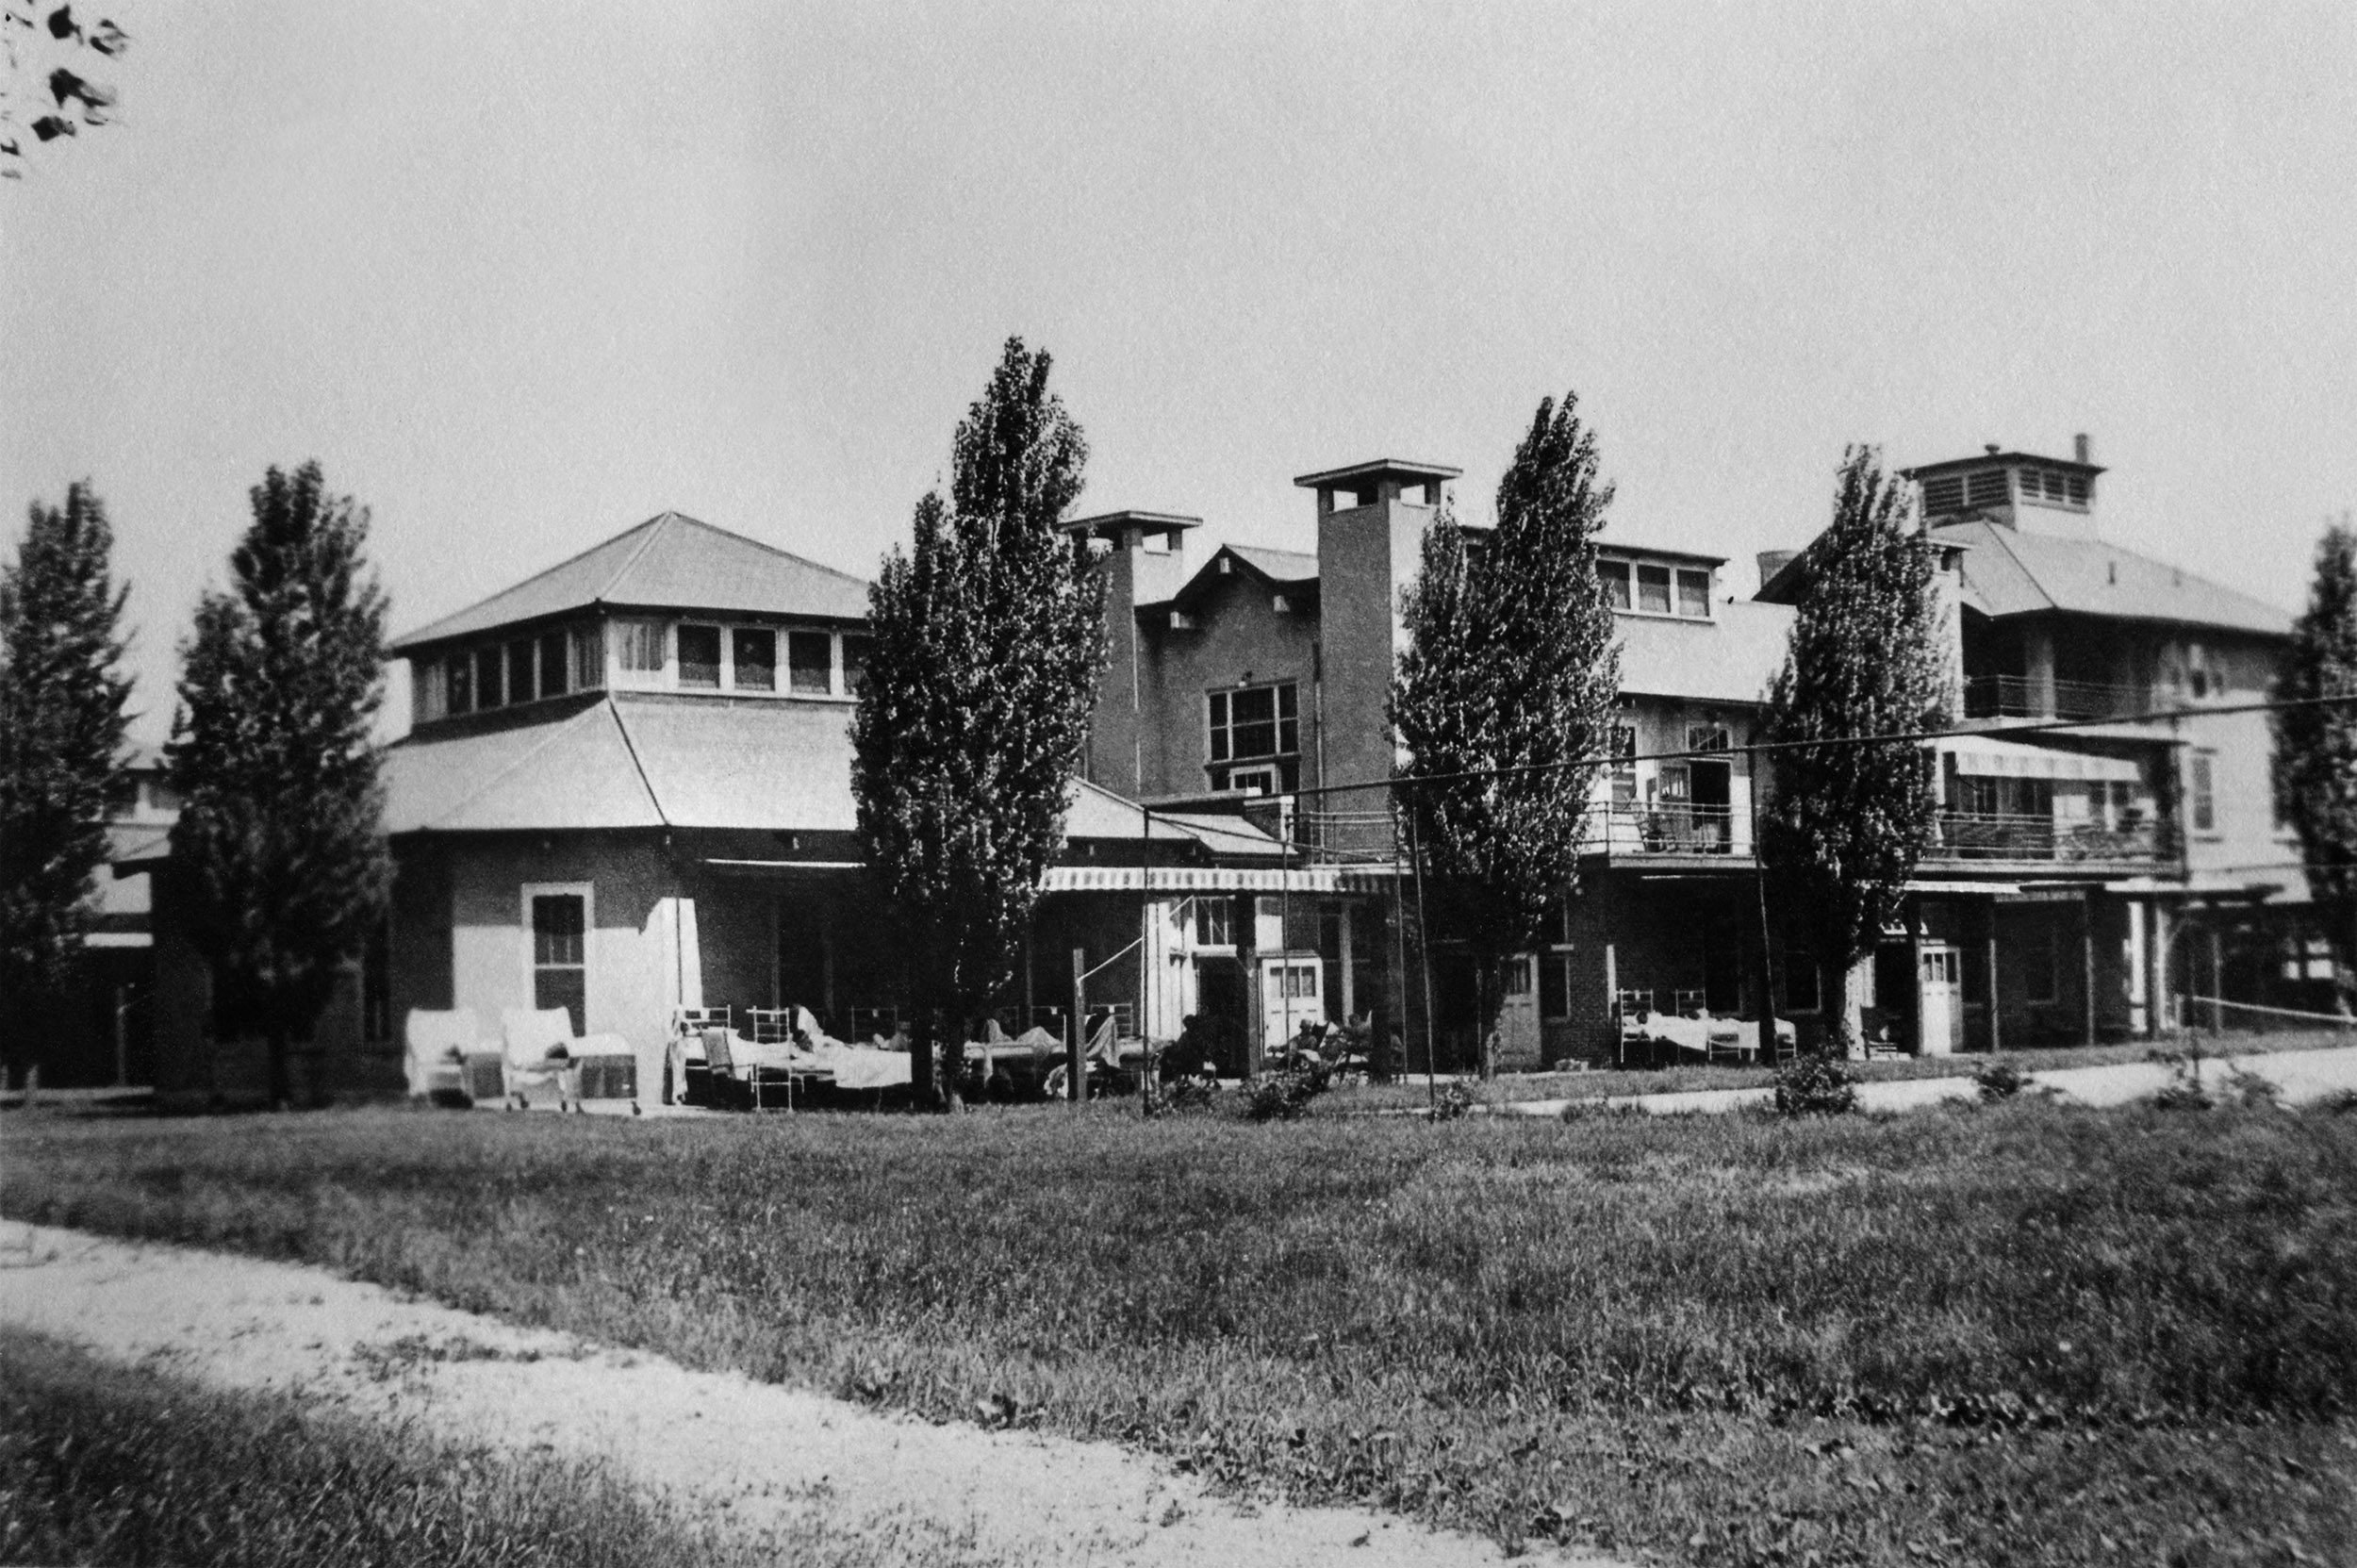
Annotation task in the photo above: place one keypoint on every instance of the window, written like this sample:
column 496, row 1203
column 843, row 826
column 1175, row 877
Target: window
column 1614, row 575
column 1653, row 590
column 1694, row 593
column 1214, row 922
column 2076, row 488
column 521, row 687
column 699, row 658
column 756, row 655
column 1708, row 737
column 1987, row 488
column 589, row 669
column 1944, row 495
column 429, row 693
column 560, row 949
column 553, row 649
column 1554, row 986
column 458, row 682
column 810, row 658
column 2199, row 680
column 2204, row 791
column 1254, row 722
column 855, row 648
column 638, row 648
column 1624, row 763
column 490, row 690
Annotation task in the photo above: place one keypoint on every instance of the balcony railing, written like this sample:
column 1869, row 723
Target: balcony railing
column 1675, row 828
column 2019, row 696
column 1984, row 836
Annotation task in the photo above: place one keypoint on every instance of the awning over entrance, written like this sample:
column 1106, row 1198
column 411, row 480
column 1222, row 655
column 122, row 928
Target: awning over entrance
column 2008, row 759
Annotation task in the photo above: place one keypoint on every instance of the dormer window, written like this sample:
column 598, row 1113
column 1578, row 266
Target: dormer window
column 1646, row 587
column 639, row 651
column 757, row 657
column 699, row 658
column 1653, row 590
column 810, row 657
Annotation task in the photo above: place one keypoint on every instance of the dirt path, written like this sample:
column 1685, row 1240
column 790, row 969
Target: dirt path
column 2300, row 1076
column 760, row 1450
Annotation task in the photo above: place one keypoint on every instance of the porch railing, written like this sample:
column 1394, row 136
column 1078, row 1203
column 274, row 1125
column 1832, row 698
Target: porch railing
column 1965, row 836
column 2019, row 696
column 1675, row 828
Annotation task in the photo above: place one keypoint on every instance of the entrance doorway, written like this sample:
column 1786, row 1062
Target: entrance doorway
column 1518, row 1018
column 1940, row 1000
column 1292, row 993
column 1714, row 805
column 1220, row 1000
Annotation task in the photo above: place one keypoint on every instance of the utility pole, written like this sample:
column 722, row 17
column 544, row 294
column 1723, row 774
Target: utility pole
column 1076, row 1051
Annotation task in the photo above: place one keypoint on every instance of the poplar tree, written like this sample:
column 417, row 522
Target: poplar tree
column 2316, row 743
column 988, row 642
column 1846, row 824
column 1503, row 700
column 61, row 721
column 279, row 855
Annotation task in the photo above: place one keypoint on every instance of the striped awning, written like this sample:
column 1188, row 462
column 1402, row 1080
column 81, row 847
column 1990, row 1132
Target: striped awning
column 1217, row 879
column 2009, row 759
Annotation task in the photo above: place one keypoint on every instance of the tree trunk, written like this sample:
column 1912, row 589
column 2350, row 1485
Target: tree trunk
column 945, row 1059
column 1846, row 1022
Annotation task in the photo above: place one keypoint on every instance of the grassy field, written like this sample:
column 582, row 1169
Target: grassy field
column 1410, row 1093
column 2017, row 1334
column 108, row 1464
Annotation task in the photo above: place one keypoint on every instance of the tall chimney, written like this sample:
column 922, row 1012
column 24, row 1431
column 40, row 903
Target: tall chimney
column 2085, row 448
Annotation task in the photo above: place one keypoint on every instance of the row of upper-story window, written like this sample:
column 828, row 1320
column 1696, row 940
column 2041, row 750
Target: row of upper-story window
column 640, row 654
column 1648, row 588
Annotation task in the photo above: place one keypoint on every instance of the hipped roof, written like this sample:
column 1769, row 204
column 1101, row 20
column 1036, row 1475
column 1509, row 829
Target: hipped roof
column 669, row 562
column 626, row 760
column 2007, row 571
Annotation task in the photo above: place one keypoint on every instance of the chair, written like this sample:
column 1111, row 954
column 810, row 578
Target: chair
column 539, row 1051
column 436, row 1045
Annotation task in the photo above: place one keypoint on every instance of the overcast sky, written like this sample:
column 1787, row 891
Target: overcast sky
column 521, row 277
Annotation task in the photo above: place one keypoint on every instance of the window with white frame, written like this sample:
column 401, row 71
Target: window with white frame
column 856, row 647
column 754, row 661
column 1215, row 920
column 699, row 657
column 1653, row 590
column 1614, row 575
column 556, row 923
column 641, row 651
column 1623, row 763
column 1254, row 739
column 554, row 680
column 1694, row 594
column 810, row 658
column 523, row 685
column 490, row 689
column 429, row 691
column 2202, row 769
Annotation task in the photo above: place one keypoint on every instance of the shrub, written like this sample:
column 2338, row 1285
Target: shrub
column 2185, row 1090
column 2252, row 1091
column 1180, row 1097
column 1816, row 1086
column 2000, row 1080
column 1454, row 1104
column 1284, row 1096
column 2340, row 1103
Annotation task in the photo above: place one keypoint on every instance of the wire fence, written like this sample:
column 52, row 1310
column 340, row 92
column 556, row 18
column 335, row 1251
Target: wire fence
column 2244, row 1017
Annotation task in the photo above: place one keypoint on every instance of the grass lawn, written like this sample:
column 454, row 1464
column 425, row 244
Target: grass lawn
column 1593, row 1084
column 2017, row 1334
column 108, row 1465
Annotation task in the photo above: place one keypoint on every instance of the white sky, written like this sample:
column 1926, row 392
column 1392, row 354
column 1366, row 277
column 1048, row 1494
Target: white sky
column 521, row 283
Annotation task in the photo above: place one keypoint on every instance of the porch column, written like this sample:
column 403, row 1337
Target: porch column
column 2086, row 943
column 1996, row 1036
column 1350, row 970
column 2139, row 977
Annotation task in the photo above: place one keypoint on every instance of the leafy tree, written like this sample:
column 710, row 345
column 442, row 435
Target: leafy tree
column 1504, row 695
column 2316, row 743
column 44, row 49
column 278, row 850
column 61, row 718
column 989, row 638
column 1846, row 823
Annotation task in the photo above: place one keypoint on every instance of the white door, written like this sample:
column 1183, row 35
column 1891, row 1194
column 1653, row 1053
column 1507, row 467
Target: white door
column 1518, row 1020
column 1940, row 1001
column 1293, row 992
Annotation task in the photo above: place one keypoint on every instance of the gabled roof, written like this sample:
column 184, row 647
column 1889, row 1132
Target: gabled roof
column 2007, row 571
column 1274, row 568
column 1728, row 658
column 669, row 562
